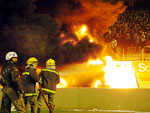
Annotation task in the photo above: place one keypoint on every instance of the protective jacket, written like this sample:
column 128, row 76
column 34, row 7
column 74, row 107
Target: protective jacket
column 29, row 79
column 10, row 77
column 50, row 78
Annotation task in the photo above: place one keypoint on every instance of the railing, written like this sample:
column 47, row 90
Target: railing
column 133, row 53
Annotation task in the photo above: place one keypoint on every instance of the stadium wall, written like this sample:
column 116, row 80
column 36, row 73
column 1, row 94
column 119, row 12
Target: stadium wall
column 102, row 98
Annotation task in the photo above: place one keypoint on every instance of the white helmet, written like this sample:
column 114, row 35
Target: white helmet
column 10, row 55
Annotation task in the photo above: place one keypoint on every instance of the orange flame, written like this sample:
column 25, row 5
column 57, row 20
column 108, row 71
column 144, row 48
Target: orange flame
column 97, row 84
column 95, row 62
column 119, row 74
column 82, row 31
column 62, row 83
column 96, row 73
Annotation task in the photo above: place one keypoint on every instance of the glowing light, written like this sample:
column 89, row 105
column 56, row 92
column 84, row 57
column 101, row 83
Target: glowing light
column 62, row 83
column 119, row 74
column 97, row 84
column 69, row 40
column 38, row 70
column 95, row 62
column 108, row 59
column 91, row 40
column 62, row 35
column 96, row 73
column 82, row 31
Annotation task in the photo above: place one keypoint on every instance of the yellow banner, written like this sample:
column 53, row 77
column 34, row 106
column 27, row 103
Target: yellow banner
column 142, row 70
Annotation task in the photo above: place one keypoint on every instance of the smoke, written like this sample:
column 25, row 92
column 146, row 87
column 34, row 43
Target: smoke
column 39, row 35
column 96, row 14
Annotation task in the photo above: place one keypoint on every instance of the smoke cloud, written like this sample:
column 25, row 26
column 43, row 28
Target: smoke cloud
column 96, row 14
column 39, row 35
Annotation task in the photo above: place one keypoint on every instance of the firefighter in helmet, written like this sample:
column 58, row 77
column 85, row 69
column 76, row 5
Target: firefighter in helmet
column 11, row 85
column 49, row 79
column 29, row 79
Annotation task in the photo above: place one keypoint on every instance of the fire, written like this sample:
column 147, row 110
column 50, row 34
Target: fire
column 95, row 62
column 74, row 42
column 62, row 35
column 91, row 40
column 99, row 73
column 97, row 84
column 119, row 74
column 62, row 83
column 82, row 31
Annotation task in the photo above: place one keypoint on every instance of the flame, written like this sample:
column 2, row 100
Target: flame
column 98, row 73
column 91, row 40
column 62, row 35
column 119, row 74
column 80, row 74
column 62, row 83
column 95, row 62
column 97, row 84
column 66, row 38
column 72, row 41
column 82, row 31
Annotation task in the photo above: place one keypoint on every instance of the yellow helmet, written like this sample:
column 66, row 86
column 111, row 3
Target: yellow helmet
column 50, row 62
column 31, row 60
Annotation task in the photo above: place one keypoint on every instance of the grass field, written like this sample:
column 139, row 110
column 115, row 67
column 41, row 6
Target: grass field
column 88, row 111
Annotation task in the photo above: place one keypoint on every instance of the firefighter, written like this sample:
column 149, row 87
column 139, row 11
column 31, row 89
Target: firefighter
column 11, row 92
column 29, row 79
column 49, row 79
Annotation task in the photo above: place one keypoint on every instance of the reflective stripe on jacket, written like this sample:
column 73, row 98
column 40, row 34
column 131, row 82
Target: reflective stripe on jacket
column 50, row 70
column 49, row 91
column 30, row 94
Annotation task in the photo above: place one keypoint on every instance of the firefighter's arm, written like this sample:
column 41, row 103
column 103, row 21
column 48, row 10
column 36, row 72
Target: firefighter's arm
column 34, row 76
column 1, row 80
column 14, row 75
column 15, row 79
column 58, row 79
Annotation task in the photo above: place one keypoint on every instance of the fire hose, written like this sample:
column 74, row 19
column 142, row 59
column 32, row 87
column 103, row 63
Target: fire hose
column 45, row 98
